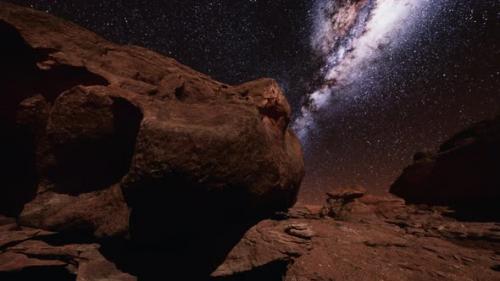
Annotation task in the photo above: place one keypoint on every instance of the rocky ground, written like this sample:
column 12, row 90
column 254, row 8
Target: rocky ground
column 366, row 238
column 121, row 164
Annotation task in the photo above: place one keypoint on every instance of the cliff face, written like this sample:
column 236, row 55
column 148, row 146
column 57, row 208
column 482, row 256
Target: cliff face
column 463, row 174
column 119, row 142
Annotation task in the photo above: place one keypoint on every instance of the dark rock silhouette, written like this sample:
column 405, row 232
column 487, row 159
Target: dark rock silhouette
column 463, row 174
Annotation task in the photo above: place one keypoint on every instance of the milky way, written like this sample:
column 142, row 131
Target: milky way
column 350, row 35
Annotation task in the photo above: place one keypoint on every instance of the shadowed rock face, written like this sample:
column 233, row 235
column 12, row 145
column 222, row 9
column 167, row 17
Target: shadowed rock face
column 25, row 90
column 463, row 174
column 119, row 142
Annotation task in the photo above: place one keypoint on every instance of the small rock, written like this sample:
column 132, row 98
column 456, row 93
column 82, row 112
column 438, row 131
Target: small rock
column 347, row 194
column 300, row 230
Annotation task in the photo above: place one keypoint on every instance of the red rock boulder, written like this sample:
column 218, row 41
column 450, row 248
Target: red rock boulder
column 98, row 132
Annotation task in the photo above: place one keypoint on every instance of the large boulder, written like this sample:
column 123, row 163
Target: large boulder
column 463, row 174
column 97, row 132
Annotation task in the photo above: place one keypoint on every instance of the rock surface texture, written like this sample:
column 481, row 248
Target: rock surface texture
column 372, row 238
column 464, row 174
column 376, row 238
column 120, row 164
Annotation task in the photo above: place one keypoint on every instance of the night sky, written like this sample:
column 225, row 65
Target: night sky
column 370, row 83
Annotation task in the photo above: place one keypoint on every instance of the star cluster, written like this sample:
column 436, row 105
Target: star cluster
column 442, row 76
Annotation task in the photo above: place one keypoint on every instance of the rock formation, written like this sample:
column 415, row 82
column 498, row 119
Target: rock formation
column 375, row 238
column 121, row 164
column 118, row 143
column 86, row 116
column 357, row 236
column 464, row 174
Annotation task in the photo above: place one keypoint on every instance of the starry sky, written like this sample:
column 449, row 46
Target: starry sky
column 371, row 82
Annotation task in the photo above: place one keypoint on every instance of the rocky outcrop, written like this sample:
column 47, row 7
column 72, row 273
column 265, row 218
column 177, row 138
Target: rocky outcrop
column 463, row 174
column 271, row 244
column 388, row 240
column 129, row 157
column 97, row 132
column 375, row 238
column 339, row 202
column 26, row 254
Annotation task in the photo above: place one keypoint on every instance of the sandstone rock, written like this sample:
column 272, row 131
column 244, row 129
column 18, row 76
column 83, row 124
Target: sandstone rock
column 100, row 213
column 300, row 230
column 26, row 258
column 338, row 204
column 377, row 251
column 304, row 212
column 88, row 120
column 347, row 194
column 269, row 242
column 388, row 240
column 463, row 174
